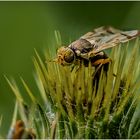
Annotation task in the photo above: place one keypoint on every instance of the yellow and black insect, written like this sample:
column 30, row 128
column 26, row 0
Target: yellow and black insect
column 90, row 47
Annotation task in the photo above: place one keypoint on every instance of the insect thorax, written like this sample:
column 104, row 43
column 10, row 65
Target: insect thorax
column 81, row 45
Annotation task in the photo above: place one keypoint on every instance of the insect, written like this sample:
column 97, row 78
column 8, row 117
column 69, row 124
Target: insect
column 90, row 47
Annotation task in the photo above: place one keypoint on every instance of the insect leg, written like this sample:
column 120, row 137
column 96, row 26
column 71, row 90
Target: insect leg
column 97, row 70
column 72, row 68
column 101, row 61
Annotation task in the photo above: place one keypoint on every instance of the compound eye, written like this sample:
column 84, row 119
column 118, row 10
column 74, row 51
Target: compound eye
column 69, row 56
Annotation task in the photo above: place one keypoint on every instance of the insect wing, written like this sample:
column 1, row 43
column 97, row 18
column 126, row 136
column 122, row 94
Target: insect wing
column 100, row 35
column 115, row 39
column 107, row 37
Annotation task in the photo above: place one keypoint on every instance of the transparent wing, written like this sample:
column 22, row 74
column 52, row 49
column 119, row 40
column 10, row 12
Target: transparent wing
column 108, row 37
column 98, row 34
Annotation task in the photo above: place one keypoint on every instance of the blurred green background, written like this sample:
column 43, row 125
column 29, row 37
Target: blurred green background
column 28, row 25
